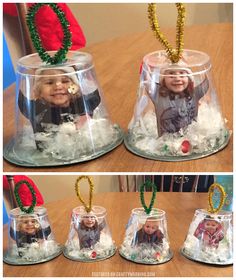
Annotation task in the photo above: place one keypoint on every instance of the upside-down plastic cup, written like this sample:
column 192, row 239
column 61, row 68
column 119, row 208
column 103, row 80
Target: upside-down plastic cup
column 146, row 239
column 30, row 238
column 210, row 238
column 175, row 102
column 89, row 237
column 60, row 113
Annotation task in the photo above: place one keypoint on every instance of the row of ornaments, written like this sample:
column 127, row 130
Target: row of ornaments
column 31, row 240
column 61, row 117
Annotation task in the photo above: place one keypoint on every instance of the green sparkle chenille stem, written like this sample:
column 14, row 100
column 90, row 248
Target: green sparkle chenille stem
column 148, row 184
column 30, row 209
column 60, row 56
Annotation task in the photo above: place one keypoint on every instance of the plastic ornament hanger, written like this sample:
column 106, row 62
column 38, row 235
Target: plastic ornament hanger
column 88, row 207
column 60, row 56
column 173, row 54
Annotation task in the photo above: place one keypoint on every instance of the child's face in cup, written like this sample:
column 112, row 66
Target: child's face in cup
column 89, row 221
column 176, row 80
column 211, row 226
column 54, row 89
column 28, row 225
column 150, row 227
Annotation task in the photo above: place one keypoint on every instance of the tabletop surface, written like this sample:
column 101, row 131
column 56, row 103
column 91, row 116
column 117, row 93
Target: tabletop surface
column 117, row 64
column 179, row 208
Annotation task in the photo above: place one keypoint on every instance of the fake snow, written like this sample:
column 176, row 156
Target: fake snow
column 101, row 250
column 206, row 134
column 35, row 252
column 196, row 250
column 146, row 253
column 65, row 143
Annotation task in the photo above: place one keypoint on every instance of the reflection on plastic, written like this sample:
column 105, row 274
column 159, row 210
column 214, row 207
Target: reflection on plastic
column 89, row 237
column 146, row 239
column 30, row 239
column 60, row 114
column 174, row 105
column 210, row 238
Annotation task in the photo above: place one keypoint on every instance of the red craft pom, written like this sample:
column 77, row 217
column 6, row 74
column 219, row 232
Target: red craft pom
column 24, row 192
column 185, row 146
column 93, row 255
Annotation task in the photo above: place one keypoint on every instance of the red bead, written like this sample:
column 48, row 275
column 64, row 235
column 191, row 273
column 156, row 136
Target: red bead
column 185, row 146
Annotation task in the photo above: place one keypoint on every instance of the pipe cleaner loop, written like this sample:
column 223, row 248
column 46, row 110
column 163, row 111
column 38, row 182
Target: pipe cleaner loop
column 211, row 191
column 60, row 56
column 30, row 209
column 88, row 207
column 173, row 54
column 149, row 185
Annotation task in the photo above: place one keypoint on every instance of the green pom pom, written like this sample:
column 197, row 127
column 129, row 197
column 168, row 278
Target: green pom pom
column 165, row 148
column 133, row 257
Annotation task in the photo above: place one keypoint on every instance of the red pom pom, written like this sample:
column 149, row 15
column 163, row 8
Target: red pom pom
column 93, row 255
column 185, row 146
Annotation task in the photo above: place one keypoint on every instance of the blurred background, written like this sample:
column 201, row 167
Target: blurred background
column 57, row 187
column 102, row 21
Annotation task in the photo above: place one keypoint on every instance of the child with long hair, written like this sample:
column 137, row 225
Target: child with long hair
column 175, row 97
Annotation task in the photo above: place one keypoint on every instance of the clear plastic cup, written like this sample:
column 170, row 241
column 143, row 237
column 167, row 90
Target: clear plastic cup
column 210, row 238
column 89, row 237
column 30, row 238
column 146, row 239
column 177, row 116
column 60, row 113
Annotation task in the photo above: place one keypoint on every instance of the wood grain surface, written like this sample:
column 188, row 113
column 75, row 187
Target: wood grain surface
column 179, row 208
column 117, row 64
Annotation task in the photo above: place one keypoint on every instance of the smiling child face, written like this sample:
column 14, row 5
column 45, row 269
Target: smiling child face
column 176, row 80
column 150, row 227
column 211, row 226
column 28, row 225
column 54, row 88
column 89, row 221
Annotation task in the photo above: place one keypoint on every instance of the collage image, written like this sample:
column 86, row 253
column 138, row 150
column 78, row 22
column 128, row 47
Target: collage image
column 117, row 125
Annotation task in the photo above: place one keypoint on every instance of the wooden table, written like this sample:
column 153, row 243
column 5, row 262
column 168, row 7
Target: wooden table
column 117, row 65
column 179, row 207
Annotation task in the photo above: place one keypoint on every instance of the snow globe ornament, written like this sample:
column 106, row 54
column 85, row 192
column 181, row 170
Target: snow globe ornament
column 210, row 236
column 89, row 239
column 146, row 239
column 176, row 99
column 30, row 236
column 60, row 116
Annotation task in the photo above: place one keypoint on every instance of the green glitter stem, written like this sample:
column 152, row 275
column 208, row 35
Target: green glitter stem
column 60, row 56
column 30, row 209
column 148, row 184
